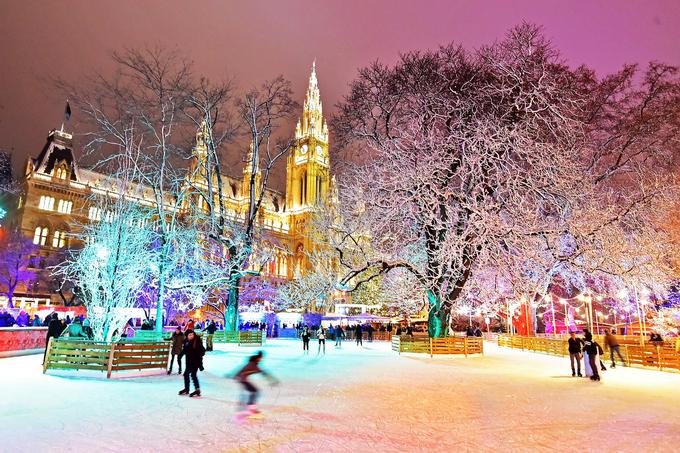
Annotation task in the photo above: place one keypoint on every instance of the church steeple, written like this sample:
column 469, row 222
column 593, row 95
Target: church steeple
column 308, row 163
column 312, row 123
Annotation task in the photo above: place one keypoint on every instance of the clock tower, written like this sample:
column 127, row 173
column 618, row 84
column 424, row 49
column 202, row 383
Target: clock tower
column 308, row 179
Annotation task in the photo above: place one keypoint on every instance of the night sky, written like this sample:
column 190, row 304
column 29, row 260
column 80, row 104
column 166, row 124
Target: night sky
column 256, row 40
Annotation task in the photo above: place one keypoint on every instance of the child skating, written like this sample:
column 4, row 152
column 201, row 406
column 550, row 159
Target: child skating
column 247, row 406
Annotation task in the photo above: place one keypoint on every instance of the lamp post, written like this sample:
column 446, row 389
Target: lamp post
column 552, row 309
column 639, row 313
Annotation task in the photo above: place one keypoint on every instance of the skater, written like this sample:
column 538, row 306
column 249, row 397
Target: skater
column 305, row 335
column 592, row 351
column 370, row 330
column 321, row 336
column 252, row 367
column 211, row 331
column 613, row 345
column 575, row 346
column 193, row 351
column 339, row 333
column 177, row 340
column 358, row 334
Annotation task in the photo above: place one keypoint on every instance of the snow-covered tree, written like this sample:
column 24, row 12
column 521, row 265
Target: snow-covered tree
column 112, row 268
column 15, row 254
column 495, row 158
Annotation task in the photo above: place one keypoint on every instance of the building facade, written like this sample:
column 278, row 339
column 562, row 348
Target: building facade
column 58, row 198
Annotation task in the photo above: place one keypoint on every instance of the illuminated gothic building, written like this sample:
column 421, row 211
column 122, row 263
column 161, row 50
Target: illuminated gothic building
column 58, row 197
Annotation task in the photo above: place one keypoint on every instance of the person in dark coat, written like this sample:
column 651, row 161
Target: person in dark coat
column 251, row 368
column 594, row 351
column 193, row 352
column 575, row 347
column 409, row 330
column 54, row 330
column 358, row 334
column 211, row 331
column 339, row 333
column 177, row 340
column 469, row 332
column 305, row 335
column 370, row 330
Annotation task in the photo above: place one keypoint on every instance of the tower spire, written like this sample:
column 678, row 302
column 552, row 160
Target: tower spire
column 312, row 123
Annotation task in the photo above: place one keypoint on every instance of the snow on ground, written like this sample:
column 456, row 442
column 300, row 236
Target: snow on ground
column 353, row 399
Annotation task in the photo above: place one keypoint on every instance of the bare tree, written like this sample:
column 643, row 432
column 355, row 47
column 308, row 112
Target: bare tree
column 16, row 251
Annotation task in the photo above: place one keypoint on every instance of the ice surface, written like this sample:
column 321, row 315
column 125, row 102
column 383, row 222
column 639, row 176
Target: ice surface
column 352, row 399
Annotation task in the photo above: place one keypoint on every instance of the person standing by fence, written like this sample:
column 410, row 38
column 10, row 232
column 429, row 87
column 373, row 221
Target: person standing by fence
column 575, row 346
column 358, row 333
column 613, row 345
column 211, row 332
column 177, row 339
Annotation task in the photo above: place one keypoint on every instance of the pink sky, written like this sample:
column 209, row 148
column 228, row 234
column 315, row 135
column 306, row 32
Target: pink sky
column 255, row 40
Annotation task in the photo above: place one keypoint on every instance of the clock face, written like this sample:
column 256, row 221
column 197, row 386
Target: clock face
column 318, row 150
column 303, row 150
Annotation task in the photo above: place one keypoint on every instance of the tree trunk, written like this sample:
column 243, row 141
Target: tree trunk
column 231, row 311
column 159, row 303
column 438, row 316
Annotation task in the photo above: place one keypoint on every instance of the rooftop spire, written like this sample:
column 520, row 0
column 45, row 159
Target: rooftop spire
column 312, row 122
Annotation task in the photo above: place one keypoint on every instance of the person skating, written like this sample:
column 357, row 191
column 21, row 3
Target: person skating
column 592, row 351
column 321, row 336
column 305, row 335
column 193, row 352
column 370, row 330
column 251, row 368
column 177, row 340
column 575, row 346
column 613, row 345
column 339, row 333
column 358, row 333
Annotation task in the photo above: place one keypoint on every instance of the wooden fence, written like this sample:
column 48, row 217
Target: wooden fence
column 432, row 346
column 70, row 354
column 662, row 356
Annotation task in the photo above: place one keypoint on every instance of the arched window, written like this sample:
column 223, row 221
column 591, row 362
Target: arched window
column 64, row 206
column 318, row 189
column 61, row 173
column 59, row 239
column 40, row 236
column 303, row 188
column 46, row 203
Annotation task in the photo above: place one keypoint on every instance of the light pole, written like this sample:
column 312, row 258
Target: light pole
column 552, row 309
column 566, row 317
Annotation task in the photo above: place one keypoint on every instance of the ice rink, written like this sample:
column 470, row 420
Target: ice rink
column 352, row 400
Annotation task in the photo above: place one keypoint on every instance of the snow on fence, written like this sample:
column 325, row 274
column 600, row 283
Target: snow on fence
column 70, row 354
column 432, row 346
column 662, row 356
